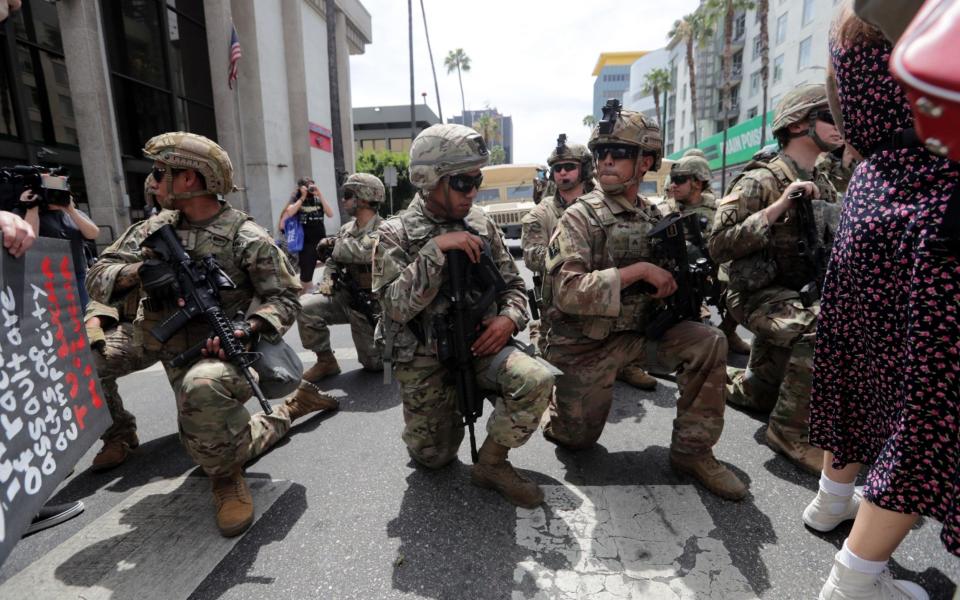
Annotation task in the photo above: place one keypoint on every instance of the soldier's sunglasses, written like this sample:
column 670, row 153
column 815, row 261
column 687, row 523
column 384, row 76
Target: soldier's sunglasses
column 464, row 183
column 617, row 151
column 826, row 116
column 565, row 167
column 679, row 179
column 348, row 195
column 160, row 172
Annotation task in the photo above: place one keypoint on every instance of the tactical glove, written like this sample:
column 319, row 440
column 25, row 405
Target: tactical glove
column 159, row 282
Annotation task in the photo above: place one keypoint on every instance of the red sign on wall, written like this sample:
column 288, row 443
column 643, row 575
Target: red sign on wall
column 321, row 137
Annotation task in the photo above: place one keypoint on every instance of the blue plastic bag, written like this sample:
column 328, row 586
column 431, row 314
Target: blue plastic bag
column 293, row 232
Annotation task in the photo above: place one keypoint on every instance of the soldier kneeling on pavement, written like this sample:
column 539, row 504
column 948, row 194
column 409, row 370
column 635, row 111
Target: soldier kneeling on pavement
column 344, row 295
column 600, row 249
column 409, row 272
column 757, row 232
column 190, row 173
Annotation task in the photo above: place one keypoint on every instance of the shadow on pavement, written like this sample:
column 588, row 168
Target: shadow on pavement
column 272, row 527
column 365, row 391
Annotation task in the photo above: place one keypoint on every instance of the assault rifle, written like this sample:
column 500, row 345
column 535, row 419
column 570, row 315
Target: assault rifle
column 809, row 246
column 693, row 277
column 457, row 330
column 200, row 282
column 535, row 296
column 361, row 300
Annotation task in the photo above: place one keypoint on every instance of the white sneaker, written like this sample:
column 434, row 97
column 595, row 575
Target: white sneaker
column 847, row 584
column 826, row 510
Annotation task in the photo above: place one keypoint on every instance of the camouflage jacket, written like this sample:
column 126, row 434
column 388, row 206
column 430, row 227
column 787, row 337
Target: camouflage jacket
column 353, row 251
column 763, row 254
column 537, row 227
column 596, row 236
column 241, row 247
column 408, row 272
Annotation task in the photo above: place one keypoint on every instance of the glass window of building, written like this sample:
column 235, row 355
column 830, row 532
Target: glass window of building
column 778, row 68
column 808, row 9
column 751, row 112
column 803, row 55
column 755, row 82
column 757, row 46
column 782, row 28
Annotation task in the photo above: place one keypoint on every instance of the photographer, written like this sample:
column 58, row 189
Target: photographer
column 308, row 205
column 64, row 222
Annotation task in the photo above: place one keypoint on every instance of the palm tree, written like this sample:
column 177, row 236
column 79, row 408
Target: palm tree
column 763, row 10
column 655, row 82
column 589, row 121
column 489, row 128
column 690, row 29
column 458, row 59
column 715, row 11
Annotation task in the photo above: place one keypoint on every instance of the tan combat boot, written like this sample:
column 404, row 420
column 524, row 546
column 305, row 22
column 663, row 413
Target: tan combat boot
column 234, row 503
column 718, row 479
column 325, row 366
column 798, row 451
column 637, row 377
column 735, row 343
column 307, row 399
column 115, row 452
column 494, row 472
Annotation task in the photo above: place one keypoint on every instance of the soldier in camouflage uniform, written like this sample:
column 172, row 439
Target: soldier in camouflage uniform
column 190, row 172
column 408, row 274
column 351, row 256
column 601, row 248
column 756, row 232
column 571, row 170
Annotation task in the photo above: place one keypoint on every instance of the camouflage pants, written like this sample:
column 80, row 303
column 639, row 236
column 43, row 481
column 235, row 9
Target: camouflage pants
column 215, row 428
column 320, row 311
column 433, row 425
column 697, row 352
column 778, row 375
column 120, row 357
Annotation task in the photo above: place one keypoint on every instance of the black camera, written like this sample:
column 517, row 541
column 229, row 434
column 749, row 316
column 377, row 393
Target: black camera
column 611, row 112
column 51, row 186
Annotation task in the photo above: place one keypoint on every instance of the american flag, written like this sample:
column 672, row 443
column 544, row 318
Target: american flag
column 235, row 55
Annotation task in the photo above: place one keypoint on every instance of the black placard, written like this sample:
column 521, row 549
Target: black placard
column 51, row 405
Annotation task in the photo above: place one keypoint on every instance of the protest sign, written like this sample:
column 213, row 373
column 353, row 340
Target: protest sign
column 51, row 405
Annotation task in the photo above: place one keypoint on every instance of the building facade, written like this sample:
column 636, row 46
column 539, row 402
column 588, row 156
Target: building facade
column 502, row 133
column 798, row 54
column 388, row 127
column 84, row 83
column 636, row 98
column 612, row 73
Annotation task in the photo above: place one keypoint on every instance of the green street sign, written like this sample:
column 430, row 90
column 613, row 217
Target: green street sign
column 743, row 141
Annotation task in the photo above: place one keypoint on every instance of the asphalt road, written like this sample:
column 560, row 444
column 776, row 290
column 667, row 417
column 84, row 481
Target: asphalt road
column 359, row 520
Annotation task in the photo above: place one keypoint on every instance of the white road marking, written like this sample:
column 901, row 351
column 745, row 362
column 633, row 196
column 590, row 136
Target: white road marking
column 623, row 542
column 160, row 542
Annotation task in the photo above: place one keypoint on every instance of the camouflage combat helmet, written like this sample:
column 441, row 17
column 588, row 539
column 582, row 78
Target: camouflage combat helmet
column 442, row 150
column 797, row 105
column 692, row 166
column 632, row 129
column 577, row 153
column 365, row 186
column 182, row 150
column 694, row 152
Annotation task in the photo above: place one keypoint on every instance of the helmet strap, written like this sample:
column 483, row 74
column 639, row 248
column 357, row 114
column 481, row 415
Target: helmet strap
column 812, row 132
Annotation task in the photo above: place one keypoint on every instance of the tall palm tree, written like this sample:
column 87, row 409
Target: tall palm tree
column 763, row 11
column 716, row 11
column 589, row 121
column 489, row 128
column 458, row 59
column 655, row 82
column 691, row 29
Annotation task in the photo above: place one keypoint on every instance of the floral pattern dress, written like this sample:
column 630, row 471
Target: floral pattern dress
column 886, row 388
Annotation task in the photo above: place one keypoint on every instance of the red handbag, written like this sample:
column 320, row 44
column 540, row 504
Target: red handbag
column 926, row 61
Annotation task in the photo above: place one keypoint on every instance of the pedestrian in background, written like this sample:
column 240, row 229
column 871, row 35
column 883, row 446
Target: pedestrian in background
column 308, row 206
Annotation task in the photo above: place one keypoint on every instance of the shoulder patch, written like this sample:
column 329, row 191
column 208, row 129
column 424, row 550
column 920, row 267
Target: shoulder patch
column 729, row 199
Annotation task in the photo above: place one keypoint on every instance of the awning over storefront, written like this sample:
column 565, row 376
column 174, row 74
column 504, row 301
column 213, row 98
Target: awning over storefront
column 743, row 140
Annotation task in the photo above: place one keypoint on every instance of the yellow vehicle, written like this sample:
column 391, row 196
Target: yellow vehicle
column 654, row 184
column 507, row 194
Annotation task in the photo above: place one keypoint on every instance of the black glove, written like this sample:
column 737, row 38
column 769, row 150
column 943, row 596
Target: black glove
column 159, row 282
column 250, row 337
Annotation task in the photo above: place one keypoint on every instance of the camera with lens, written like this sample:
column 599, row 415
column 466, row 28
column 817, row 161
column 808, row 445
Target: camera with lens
column 51, row 186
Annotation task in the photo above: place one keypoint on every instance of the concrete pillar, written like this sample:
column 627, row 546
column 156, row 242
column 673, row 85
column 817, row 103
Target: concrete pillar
column 226, row 102
column 346, row 102
column 89, row 77
column 293, row 48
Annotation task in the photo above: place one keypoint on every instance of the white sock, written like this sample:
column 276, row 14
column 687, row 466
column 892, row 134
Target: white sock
column 832, row 487
column 861, row 565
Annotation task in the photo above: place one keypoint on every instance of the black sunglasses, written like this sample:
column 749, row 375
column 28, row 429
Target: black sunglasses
column 160, row 172
column 826, row 116
column 565, row 167
column 464, row 183
column 679, row 179
column 348, row 195
column 617, row 151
